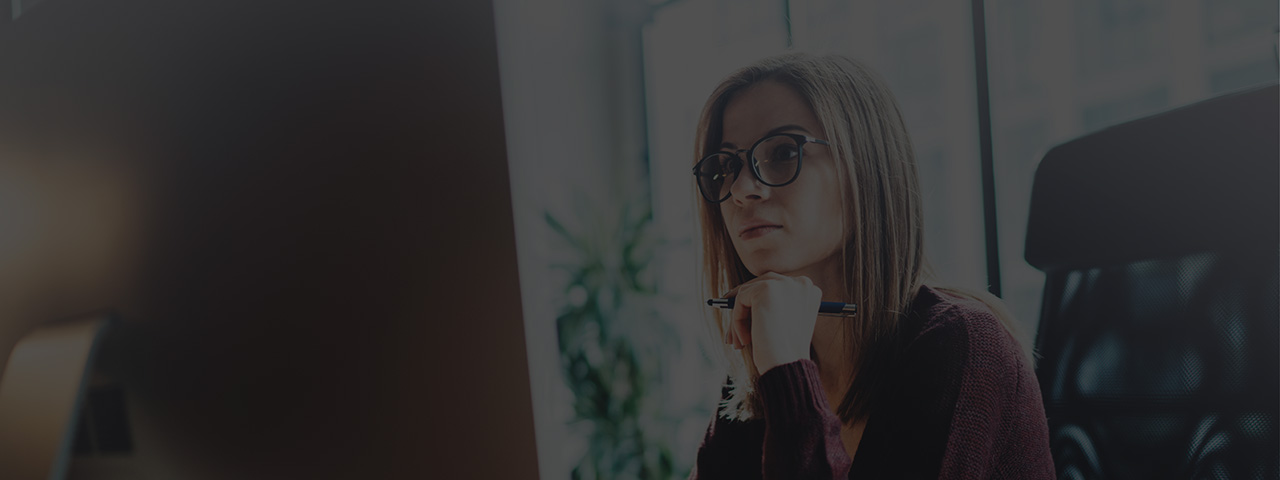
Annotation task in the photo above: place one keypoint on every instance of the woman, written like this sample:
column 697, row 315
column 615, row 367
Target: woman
column 809, row 194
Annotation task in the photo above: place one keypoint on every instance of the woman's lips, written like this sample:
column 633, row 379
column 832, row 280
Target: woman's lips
column 759, row 231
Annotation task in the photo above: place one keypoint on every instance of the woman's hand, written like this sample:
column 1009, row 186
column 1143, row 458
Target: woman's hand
column 775, row 314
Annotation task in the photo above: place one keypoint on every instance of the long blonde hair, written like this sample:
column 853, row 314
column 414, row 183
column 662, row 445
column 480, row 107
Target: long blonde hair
column 883, row 255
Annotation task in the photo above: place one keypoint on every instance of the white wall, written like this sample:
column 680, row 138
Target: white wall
column 561, row 105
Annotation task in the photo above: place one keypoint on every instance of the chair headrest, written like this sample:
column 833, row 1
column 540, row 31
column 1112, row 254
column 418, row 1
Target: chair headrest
column 1205, row 177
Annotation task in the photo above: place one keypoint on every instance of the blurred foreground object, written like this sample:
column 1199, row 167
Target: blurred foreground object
column 1158, row 329
column 292, row 207
column 41, row 390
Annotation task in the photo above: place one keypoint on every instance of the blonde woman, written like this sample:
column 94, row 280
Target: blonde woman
column 809, row 194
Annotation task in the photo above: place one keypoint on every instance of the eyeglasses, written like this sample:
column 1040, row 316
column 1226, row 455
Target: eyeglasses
column 775, row 161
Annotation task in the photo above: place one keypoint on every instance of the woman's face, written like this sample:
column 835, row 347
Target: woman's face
column 799, row 225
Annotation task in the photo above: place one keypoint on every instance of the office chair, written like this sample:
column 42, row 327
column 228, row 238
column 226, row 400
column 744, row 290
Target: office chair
column 1158, row 329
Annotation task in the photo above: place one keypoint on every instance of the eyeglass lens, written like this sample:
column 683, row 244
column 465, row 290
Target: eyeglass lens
column 776, row 159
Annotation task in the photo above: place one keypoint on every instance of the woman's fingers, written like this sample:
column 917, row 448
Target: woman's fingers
column 742, row 328
column 740, row 318
column 730, row 331
column 736, row 291
column 738, row 332
column 781, row 311
column 731, row 335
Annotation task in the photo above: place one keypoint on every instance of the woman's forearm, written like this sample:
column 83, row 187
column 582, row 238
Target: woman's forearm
column 802, row 434
column 796, row 436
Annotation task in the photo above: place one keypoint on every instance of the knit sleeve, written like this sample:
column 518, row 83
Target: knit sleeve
column 968, row 408
column 798, row 437
column 998, row 429
column 731, row 449
column 802, row 435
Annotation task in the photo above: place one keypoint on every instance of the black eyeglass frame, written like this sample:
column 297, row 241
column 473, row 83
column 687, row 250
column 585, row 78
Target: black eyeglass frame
column 800, row 140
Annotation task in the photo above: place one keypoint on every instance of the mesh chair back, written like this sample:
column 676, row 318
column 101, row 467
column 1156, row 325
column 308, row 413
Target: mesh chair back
column 1158, row 330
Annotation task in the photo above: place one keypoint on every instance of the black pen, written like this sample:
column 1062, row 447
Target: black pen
column 828, row 309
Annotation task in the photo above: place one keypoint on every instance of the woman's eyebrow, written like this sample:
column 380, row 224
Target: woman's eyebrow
column 788, row 127
column 730, row 146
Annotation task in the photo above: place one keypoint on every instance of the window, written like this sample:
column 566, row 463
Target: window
column 1059, row 70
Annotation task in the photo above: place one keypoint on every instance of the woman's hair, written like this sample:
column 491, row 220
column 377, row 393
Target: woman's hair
column 883, row 254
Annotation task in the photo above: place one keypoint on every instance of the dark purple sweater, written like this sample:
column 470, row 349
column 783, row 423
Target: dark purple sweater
column 966, row 406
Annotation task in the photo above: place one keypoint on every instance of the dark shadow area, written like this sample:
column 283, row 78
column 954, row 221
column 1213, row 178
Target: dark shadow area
column 324, row 277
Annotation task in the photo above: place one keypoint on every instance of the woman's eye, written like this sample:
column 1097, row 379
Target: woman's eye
column 783, row 153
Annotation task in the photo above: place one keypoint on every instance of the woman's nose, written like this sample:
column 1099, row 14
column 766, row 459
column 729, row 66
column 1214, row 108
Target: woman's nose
column 748, row 187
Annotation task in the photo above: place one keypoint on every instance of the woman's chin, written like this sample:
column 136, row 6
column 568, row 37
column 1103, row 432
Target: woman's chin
column 761, row 268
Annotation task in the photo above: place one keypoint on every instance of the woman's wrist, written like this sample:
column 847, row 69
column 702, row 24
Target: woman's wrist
column 767, row 360
column 791, row 392
column 770, row 362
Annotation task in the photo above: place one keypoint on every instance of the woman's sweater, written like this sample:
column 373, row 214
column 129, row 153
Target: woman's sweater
column 966, row 406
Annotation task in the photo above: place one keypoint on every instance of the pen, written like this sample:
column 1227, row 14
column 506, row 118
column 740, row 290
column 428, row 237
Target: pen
column 829, row 309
